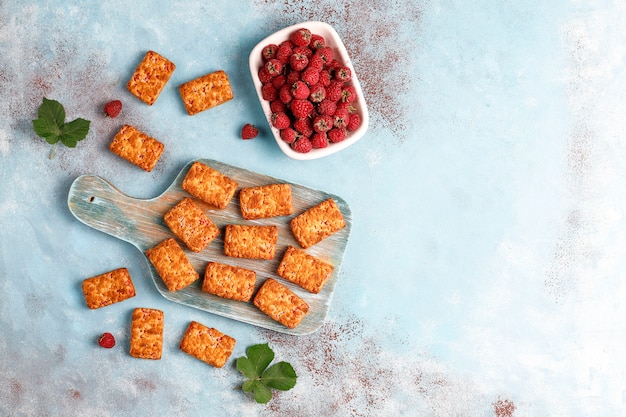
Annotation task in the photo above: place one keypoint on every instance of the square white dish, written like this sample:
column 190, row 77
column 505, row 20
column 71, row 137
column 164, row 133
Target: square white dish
column 333, row 40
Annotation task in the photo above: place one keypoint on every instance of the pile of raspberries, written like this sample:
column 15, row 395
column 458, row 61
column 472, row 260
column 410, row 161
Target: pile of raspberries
column 310, row 94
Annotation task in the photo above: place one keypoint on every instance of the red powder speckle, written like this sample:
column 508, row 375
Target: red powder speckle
column 503, row 408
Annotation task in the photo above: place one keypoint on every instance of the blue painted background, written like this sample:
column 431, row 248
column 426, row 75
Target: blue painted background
column 484, row 275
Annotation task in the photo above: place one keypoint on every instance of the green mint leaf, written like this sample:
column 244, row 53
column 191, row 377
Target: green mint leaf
column 280, row 376
column 260, row 357
column 74, row 131
column 52, row 111
column 47, row 129
column 246, row 368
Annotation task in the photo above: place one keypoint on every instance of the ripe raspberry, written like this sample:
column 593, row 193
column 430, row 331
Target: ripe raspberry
column 279, row 80
column 316, row 62
column 113, row 108
column 319, row 140
column 327, row 107
column 325, row 78
column 301, row 108
column 317, row 41
column 322, row 123
column 273, row 67
column 333, row 90
column 337, row 134
column 310, row 76
column 302, row 145
column 106, row 340
column 341, row 117
column 268, row 92
column 304, row 50
column 354, row 123
column 284, row 94
column 301, row 37
column 343, row 74
column 248, row 131
column 280, row 120
column 318, row 93
column 269, row 51
column 326, row 53
column 283, row 52
column 300, row 90
column 298, row 62
column 277, row 106
column 289, row 135
column 264, row 76
column 304, row 127
column 333, row 65
column 293, row 76
column 348, row 94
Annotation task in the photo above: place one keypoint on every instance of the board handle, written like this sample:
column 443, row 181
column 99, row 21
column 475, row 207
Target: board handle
column 98, row 204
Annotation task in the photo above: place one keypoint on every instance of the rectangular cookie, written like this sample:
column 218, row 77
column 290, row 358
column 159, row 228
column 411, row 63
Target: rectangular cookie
column 317, row 223
column 227, row 281
column 265, row 201
column 280, row 303
column 252, row 242
column 137, row 147
column 304, row 269
column 146, row 333
column 187, row 221
column 150, row 76
column 207, row 344
column 172, row 264
column 205, row 92
column 108, row 288
column 209, row 185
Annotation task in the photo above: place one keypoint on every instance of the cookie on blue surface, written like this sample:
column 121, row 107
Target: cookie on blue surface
column 137, row 147
column 150, row 76
column 108, row 288
column 207, row 344
column 146, row 333
column 205, row 92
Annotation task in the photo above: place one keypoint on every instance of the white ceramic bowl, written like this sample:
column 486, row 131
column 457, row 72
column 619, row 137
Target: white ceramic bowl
column 333, row 40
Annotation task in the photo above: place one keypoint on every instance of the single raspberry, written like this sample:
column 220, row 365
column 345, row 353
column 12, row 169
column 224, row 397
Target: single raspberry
column 301, row 37
column 277, row 106
column 106, row 340
column 354, row 123
column 264, row 76
column 301, row 108
column 273, row 66
column 333, row 65
column 283, row 52
column 318, row 93
column 289, row 135
column 280, row 120
column 293, row 76
column 322, row 123
column 269, row 51
column 302, row 145
column 279, row 80
column 319, row 140
column 325, row 78
column 337, row 134
column 284, row 94
column 268, row 92
column 341, row 117
column 333, row 90
column 316, row 62
column 304, row 50
column 300, row 90
column 326, row 52
column 249, row 131
column 317, row 41
column 343, row 74
column 348, row 94
column 298, row 62
column 113, row 108
column 327, row 107
column 304, row 127
column 310, row 76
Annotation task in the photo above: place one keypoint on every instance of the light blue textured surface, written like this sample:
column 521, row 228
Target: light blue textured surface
column 484, row 275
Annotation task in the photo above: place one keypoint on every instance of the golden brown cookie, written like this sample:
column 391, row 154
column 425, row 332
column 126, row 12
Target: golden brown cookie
column 317, row 223
column 151, row 75
column 191, row 225
column 108, row 288
column 137, row 147
column 205, row 92
column 207, row 344
column 265, row 201
column 280, row 303
column 229, row 281
column 209, row 185
column 250, row 241
column 172, row 264
column 146, row 333
column 304, row 269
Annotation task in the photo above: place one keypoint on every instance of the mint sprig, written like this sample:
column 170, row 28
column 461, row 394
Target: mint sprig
column 52, row 127
column 261, row 379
